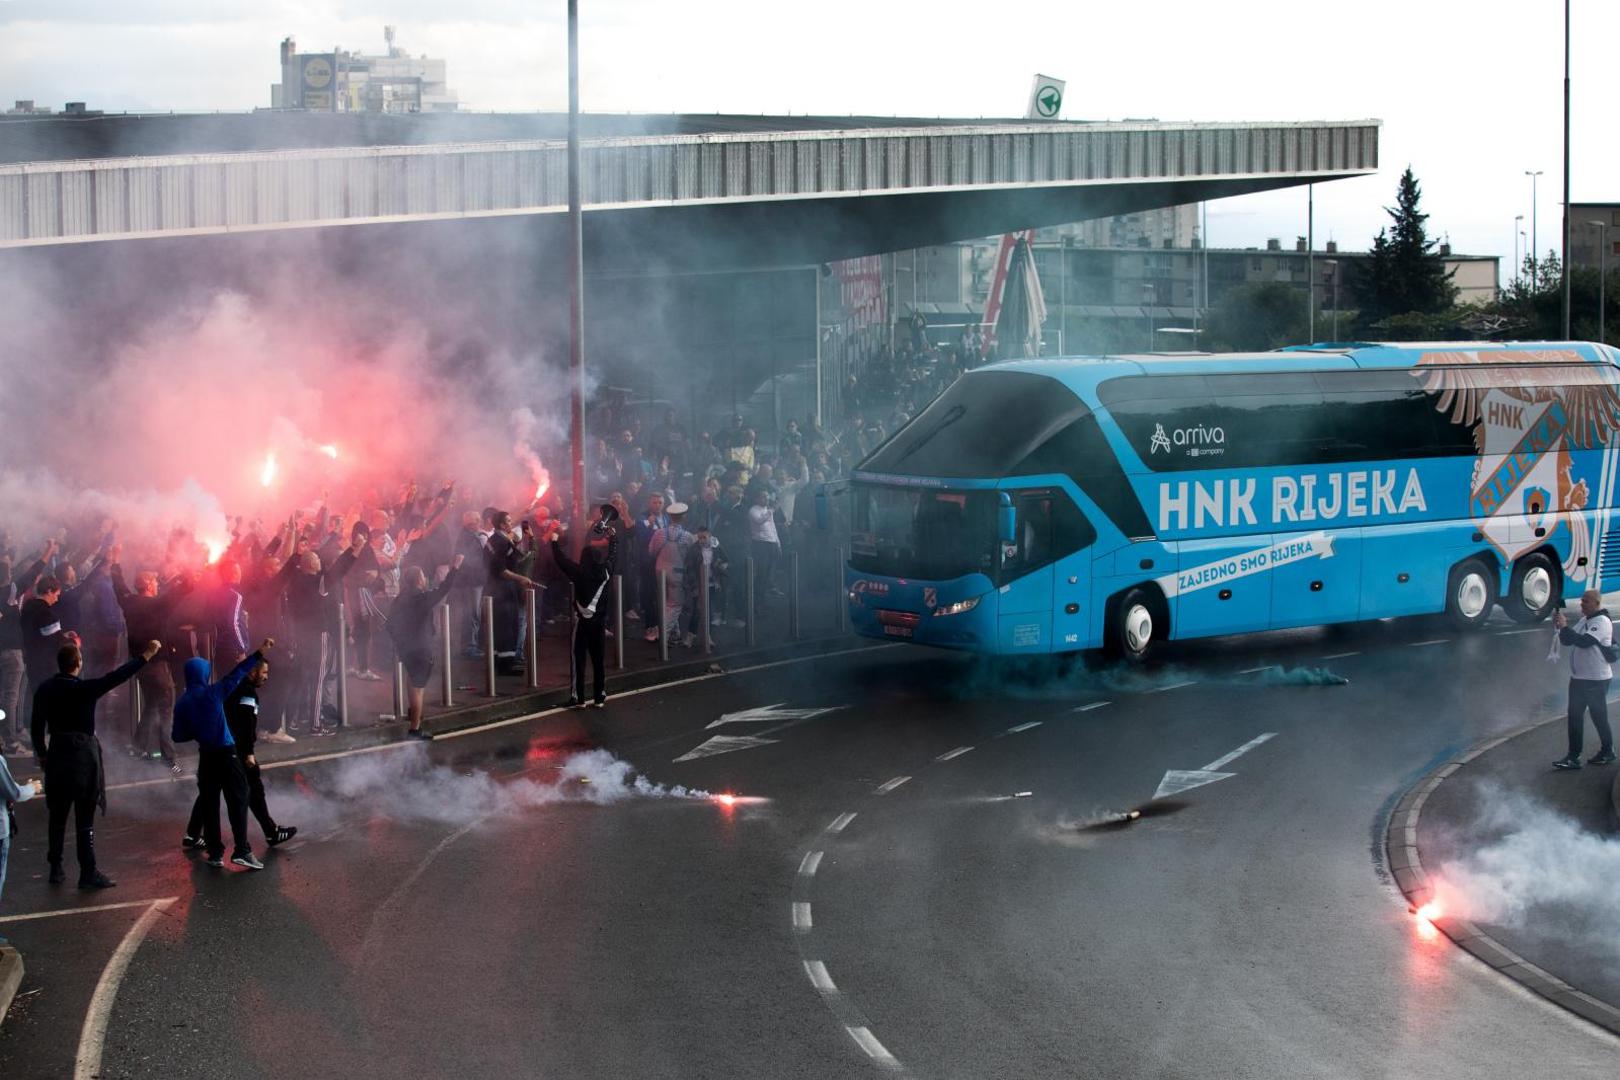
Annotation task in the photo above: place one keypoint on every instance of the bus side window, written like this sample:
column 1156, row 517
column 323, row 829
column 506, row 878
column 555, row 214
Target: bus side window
column 1050, row 527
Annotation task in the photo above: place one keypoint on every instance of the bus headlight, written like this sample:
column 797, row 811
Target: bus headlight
column 957, row 608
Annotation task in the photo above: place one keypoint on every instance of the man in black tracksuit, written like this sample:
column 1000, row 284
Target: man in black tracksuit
column 242, row 716
column 148, row 615
column 590, row 577
column 65, row 708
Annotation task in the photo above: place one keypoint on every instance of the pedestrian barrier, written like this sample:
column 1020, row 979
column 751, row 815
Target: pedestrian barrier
column 488, row 635
column 663, row 615
column 342, row 669
column 531, row 676
column 618, row 620
column 447, row 676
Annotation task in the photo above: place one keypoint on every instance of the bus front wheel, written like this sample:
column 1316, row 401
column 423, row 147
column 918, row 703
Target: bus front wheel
column 1470, row 591
column 1137, row 626
column 1533, row 590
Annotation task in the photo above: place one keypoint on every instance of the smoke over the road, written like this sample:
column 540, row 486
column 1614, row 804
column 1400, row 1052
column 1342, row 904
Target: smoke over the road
column 1541, row 872
column 1045, row 678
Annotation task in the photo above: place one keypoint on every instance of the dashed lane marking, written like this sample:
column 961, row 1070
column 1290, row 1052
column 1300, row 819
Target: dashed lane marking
column 889, row 785
column 812, row 861
column 1172, row 686
column 952, row 755
column 841, row 822
column 1023, row 727
column 819, row 977
column 1258, row 670
column 1526, row 630
column 1340, row 655
column 1093, row 705
column 868, row 1042
column 801, row 916
column 1431, row 641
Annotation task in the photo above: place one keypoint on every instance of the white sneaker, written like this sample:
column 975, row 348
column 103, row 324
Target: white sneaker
column 651, row 635
column 278, row 737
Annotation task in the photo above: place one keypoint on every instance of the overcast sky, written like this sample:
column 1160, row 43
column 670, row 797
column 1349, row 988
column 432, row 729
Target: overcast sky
column 1469, row 91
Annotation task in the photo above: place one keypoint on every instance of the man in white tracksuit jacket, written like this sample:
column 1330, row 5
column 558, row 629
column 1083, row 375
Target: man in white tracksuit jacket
column 1589, row 678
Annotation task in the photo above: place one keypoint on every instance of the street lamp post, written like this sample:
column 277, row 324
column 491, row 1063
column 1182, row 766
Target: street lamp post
column 1565, row 266
column 576, row 273
column 1534, row 238
column 1147, row 307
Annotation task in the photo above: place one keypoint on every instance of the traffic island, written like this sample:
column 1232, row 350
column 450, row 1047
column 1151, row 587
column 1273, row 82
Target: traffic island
column 1501, row 809
column 11, row 973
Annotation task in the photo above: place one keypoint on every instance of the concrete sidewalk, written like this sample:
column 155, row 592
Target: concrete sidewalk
column 1557, row 947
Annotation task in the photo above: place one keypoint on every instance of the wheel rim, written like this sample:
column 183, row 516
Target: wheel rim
column 1138, row 628
column 1536, row 588
column 1472, row 595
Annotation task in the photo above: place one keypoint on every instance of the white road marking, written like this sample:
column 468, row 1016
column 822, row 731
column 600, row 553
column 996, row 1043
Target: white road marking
column 889, row 785
column 524, row 719
column 1023, row 727
column 1227, row 759
column 1258, row 670
column 801, row 915
column 812, row 860
column 841, row 822
column 1172, row 686
column 93, row 1036
column 1093, row 705
column 771, row 712
column 29, row 916
column 724, row 744
column 868, row 1042
column 952, row 755
column 1340, row 655
column 1177, row 781
column 1432, row 641
column 819, row 977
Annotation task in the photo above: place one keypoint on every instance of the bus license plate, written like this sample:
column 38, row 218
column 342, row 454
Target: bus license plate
column 897, row 631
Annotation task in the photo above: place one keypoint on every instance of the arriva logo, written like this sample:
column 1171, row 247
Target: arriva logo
column 1199, row 436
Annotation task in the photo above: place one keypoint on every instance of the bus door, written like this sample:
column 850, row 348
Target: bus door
column 1222, row 586
column 1316, row 577
column 1046, row 575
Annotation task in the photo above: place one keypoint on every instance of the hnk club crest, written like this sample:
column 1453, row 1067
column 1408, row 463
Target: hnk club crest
column 1524, row 484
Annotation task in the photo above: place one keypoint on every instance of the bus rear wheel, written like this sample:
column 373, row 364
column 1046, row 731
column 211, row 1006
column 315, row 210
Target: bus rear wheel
column 1470, row 590
column 1136, row 626
column 1533, row 589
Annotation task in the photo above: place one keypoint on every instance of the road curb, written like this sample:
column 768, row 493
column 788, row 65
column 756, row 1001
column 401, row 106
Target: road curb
column 11, row 973
column 1400, row 848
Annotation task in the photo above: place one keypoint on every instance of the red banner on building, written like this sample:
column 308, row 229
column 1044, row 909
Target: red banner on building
column 861, row 286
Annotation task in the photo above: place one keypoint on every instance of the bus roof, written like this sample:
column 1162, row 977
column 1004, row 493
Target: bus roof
column 1087, row 371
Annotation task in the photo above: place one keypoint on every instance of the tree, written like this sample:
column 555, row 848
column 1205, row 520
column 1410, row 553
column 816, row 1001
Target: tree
column 1403, row 273
column 1256, row 317
column 1533, row 301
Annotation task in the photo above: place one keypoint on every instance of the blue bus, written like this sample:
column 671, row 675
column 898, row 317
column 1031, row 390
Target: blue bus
column 1056, row 505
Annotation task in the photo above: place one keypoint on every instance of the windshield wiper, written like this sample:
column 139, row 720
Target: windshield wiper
column 952, row 415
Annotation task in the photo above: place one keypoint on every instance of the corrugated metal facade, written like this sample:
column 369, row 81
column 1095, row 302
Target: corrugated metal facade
column 66, row 202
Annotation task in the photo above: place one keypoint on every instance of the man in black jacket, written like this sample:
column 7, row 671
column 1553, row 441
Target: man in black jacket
column 590, row 577
column 410, row 624
column 148, row 614
column 42, row 634
column 65, row 709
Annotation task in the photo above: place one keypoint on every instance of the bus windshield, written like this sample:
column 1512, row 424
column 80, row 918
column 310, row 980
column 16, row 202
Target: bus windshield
column 923, row 533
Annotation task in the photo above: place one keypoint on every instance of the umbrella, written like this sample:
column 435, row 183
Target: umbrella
column 1023, row 307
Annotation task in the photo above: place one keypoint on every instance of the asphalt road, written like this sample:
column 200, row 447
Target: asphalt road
column 472, row 909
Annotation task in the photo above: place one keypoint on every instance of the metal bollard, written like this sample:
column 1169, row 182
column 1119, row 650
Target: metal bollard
column 531, row 677
column 618, row 620
column 840, row 604
column 135, row 710
column 489, row 646
column 342, row 666
column 748, row 598
column 663, row 614
column 793, row 594
column 402, row 703
column 447, row 676
column 704, row 612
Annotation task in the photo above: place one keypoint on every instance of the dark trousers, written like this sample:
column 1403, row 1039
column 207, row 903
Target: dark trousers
column 220, row 772
column 508, row 611
column 590, row 639
column 256, row 804
column 157, row 710
column 83, row 808
column 1589, row 695
column 308, row 676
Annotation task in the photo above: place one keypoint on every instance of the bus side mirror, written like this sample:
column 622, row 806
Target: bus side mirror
column 1007, row 521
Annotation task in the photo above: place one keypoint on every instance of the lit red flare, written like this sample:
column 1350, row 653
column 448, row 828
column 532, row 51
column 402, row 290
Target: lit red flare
column 267, row 474
column 330, row 451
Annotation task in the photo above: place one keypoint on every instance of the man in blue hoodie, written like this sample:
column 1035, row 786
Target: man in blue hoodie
column 200, row 715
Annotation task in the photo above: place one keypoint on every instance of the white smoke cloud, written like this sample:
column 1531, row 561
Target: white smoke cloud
column 1542, row 873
